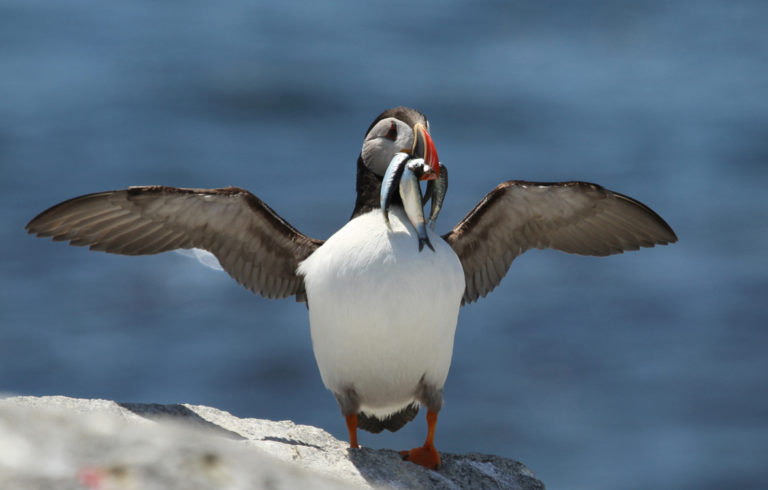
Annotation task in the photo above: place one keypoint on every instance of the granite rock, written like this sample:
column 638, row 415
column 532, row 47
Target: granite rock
column 56, row 442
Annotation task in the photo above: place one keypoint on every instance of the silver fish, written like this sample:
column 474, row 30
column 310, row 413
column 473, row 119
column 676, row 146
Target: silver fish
column 436, row 190
column 391, row 182
column 410, row 193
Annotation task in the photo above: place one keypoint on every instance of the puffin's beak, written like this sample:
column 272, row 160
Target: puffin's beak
column 423, row 147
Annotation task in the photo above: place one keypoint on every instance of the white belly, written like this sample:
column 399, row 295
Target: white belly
column 382, row 314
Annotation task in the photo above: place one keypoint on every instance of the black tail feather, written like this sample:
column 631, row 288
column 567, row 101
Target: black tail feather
column 392, row 423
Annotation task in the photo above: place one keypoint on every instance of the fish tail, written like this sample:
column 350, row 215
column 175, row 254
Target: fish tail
column 426, row 241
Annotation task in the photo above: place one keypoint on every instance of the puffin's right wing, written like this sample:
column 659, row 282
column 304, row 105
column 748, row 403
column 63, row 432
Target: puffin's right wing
column 575, row 217
column 254, row 245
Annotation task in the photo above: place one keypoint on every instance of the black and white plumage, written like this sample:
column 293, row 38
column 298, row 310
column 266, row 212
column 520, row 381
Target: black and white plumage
column 574, row 217
column 258, row 248
column 382, row 313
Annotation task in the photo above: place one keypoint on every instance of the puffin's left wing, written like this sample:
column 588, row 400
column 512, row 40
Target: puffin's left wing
column 575, row 217
column 254, row 244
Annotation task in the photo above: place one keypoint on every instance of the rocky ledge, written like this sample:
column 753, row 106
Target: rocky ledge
column 55, row 442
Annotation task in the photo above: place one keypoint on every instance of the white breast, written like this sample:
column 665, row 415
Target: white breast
column 382, row 314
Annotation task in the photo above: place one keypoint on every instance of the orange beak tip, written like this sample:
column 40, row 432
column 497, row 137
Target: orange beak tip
column 423, row 143
column 430, row 156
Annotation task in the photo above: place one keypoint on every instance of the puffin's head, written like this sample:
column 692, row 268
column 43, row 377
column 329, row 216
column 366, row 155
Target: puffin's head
column 401, row 129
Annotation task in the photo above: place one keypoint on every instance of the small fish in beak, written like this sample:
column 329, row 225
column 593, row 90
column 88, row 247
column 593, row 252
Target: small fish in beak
column 391, row 182
column 404, row 174
column 436, row 190
column 410, row 193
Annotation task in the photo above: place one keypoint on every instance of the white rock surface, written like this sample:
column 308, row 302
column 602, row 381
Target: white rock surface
column 56, row 442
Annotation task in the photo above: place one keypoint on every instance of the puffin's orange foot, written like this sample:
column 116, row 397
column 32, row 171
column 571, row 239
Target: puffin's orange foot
column 352, row 428
column 426, row 456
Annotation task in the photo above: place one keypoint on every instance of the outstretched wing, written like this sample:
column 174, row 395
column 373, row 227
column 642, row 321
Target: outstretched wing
column 258, row 248
column 575, row 217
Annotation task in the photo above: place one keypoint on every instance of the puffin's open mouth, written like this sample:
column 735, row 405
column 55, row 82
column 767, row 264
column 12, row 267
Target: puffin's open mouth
column 424, row 147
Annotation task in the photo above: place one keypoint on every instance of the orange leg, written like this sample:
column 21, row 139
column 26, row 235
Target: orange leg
column 426, row 456
column 352, row 428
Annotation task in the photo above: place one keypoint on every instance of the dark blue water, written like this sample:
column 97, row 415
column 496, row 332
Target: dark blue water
column 644, row 370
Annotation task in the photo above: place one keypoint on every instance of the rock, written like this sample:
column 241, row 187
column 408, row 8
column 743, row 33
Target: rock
column 57, row 442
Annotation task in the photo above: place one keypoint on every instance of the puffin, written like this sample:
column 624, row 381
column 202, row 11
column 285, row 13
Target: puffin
column 382, row 308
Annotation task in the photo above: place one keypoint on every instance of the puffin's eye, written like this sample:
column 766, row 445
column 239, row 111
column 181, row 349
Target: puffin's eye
column 392, row 133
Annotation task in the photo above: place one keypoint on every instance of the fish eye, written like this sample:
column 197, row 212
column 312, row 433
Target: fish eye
column 392, row 133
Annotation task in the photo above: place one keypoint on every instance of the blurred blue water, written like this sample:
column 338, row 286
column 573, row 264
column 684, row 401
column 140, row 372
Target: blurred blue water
column 645, row 370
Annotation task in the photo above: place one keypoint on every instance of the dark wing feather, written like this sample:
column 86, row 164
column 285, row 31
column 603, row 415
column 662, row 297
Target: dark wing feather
column 253, row 244
column 575, row 217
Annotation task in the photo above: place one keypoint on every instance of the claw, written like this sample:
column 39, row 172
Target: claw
column 426, row 455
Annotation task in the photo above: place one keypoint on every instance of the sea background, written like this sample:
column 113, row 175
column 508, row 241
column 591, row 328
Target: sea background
column 643, row 370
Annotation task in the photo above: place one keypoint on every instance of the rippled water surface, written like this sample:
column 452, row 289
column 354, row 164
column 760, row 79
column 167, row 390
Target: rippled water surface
column 643, row 370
